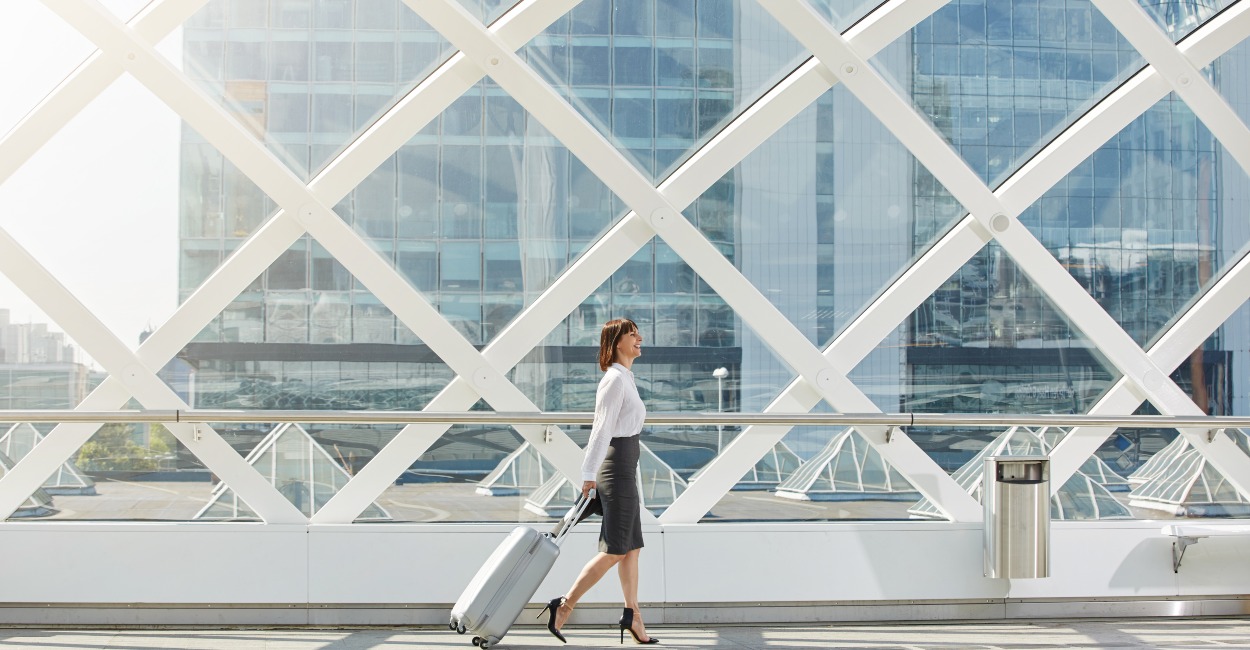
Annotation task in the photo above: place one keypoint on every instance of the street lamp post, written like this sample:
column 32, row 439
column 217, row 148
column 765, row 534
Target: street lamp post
column 720, row 374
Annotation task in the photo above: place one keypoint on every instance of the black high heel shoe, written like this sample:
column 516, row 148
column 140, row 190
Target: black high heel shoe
column 627, row 623
column 551, row 622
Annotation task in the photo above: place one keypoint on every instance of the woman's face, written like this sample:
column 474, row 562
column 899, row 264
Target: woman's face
column 629, row 346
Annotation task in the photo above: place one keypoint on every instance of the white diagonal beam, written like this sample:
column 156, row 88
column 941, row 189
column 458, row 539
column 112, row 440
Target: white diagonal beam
column 1045, row 271
column 87, row 330
column 83, row 85
column 719, row 155
column 319, row 219
column 399, row 124
column 1184, row 336
column 1182, row 74
column 599, row 155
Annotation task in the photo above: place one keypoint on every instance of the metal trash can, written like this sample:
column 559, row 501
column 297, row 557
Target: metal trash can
column 1015, row 492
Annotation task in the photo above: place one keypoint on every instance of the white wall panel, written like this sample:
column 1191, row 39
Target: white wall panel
column 686, row 570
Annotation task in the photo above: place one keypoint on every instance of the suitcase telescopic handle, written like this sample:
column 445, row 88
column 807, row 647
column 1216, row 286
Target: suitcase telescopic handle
column 570, row 518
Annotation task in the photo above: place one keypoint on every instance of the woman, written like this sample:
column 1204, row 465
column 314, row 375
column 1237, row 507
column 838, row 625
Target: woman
column 611, row 468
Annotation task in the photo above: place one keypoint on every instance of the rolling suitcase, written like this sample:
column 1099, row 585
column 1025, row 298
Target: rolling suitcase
column 502, row 587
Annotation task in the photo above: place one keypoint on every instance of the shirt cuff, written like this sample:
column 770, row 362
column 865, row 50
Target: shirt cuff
column 588, row 477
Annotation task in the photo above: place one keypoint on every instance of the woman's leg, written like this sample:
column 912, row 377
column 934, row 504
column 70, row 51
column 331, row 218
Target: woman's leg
column 628, row 571
column 591, row 573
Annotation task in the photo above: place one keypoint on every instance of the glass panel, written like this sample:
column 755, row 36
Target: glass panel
column 48, row 49
column 842, row 14
column 308, row 464
column 110, row 178
column 40, row 366
column 300, row 77
column 1000, row 79
column 987, row 341
column 470, row 474
column 1178, row 482
column 825, row 214
column 1178, row 19
column 124, row 472
column 659, row 77
column 1141, row 223
column 488, row 11
column 483, row 211
column 819, row 474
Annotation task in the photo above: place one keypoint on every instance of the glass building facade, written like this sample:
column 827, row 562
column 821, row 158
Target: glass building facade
column 484, row 209
column 484, row 212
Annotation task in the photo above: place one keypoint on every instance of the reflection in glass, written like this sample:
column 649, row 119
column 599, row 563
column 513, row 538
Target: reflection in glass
column 1082, row 496
column 302, row 470
column 1000, row 79
column 307, row 82
column 822, row 216
column 1180, row 17
column 660, row 77
column 1179, row 482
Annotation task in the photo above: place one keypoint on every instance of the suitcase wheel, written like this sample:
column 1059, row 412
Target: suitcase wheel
column 479, row 642
column 460, row 629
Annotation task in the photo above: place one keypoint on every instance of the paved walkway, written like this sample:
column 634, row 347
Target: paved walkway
column 1145, row 633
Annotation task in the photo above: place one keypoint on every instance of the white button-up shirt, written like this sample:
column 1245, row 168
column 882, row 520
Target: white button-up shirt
column 619, row 413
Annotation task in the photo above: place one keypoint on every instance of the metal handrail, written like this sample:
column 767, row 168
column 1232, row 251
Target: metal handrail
column 655, row 418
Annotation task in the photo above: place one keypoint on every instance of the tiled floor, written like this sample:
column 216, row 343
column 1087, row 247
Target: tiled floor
column 1022, row 635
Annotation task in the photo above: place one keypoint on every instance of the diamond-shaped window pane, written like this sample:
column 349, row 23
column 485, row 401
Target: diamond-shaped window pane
column 1179, row 18
column 658, row 79
column 1145, row 224
column 482, row 218
column 825, row 213
column 987, row 341
column 308, row 78
column 111, row 178
column 1000, row 79
column 294, row 325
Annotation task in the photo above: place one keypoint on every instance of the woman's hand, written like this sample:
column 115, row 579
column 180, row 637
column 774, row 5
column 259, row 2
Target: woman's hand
column 587, row 487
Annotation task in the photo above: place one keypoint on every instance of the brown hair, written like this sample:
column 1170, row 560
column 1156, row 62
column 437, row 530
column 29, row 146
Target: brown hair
column 612, row 332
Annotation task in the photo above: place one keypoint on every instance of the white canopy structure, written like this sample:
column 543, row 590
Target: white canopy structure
column 302, row 470
column 67, row 479
column 1180, row 481
column 38, row 504
column 1080, row 497
column 658, row 484
column 847, row 468
column 775, row 466
column 520, row 472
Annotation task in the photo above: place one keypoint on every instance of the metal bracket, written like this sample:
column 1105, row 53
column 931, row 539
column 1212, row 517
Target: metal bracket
column 196, row 434
column 549, row 433
column 889, row 434
column 1212, row 433
column 1178, row 550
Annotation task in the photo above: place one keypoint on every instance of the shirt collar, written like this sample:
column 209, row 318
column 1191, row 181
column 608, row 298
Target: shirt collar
column 616, row 364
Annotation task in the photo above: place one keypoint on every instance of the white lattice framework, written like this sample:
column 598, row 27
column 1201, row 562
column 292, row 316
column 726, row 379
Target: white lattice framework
column 820, row 374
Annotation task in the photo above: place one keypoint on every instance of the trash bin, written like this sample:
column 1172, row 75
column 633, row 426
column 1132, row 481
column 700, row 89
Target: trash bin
column 1015, row 492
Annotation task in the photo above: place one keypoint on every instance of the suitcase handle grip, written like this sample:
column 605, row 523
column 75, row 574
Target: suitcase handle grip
column 570, row 518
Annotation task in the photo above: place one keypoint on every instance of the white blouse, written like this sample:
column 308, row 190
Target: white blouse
column 619, row 413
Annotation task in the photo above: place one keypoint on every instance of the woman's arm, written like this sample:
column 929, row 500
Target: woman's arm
column 608, row 401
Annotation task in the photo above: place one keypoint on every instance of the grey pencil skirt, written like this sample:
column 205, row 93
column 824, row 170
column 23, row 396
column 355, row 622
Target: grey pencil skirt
column 617, row 484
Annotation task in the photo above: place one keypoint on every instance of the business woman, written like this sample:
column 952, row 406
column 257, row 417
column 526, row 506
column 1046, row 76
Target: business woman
column 611, row 468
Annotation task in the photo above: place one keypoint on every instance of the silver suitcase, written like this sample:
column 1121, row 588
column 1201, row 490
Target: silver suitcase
column 504, row 585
